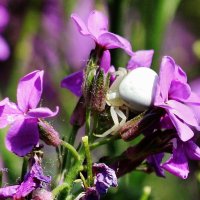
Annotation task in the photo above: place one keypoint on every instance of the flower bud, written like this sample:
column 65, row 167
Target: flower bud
column 48, row 134
column 99, row 90
column 142, row 123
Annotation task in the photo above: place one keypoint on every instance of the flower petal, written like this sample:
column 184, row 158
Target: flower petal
column 184, row 112
column 9, row 112
column 80, row 24
column 112, row 41
column 166, row 74
column 180, row 74
column 97, row 23
column 184, row 131
column 22, row 136
column 105, row 61
column 155, row 161
column 179, row 90
column 73, row 83
column 29, row 90
column 8, row 192
column 177, row 164
column 140, row 59
column 192, row 150
column 42, row 112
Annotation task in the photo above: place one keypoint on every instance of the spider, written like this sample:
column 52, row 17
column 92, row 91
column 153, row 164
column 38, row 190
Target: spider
column 132, row 90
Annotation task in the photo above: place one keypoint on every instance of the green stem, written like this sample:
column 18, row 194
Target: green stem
column 71, row 149
column 146, row 193
column 67, row 157
column 56, row 191
column 88, row 122
column 105, row 141
column 89, row 160
column 24, row 168
column 74, row 171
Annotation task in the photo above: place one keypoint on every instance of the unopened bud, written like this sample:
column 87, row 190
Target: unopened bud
column 42, row 194
column 89, row 75
column 48, row 134
column 140, row 124
column 99, row 90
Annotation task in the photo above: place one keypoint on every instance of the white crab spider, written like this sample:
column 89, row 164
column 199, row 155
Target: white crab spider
column 135, row 89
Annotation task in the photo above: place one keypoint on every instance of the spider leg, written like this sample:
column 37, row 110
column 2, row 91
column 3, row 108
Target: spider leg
column 115, row 112
column 122, row 122
column 115, row 120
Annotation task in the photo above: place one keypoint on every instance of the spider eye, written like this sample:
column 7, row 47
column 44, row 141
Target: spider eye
column 138, row 88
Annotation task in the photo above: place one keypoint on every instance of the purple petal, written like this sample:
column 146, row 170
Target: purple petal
column 184, row 112
column 4, row 49
column 73, row 83
column 97, row 23
column 22, row 136
column 9, row 112
column 4, row 16
column 32, row 181
column 80, row 24
column 179, row 90
column 167, row 70
column 184, row 131
column 177, row 164
column 8, row 192
column 155, row 161
column 193, row 99
column 180, row 74
column 105, row 177
column 105, row 61
column 195, row 86
column 112, row 41
column 140, row 59
column 42, row 112
column 192, row 150
column 29, row 90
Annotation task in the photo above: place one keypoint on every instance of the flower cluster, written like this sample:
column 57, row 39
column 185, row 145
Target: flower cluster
column 115, row 103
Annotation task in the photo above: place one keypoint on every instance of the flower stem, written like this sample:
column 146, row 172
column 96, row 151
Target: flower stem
column 89, row 159
column 71, row 149
column 67, row 162
column 146, row 193
column 88, row 122
column 105, row 141
column 24, row 168
column 59, row 189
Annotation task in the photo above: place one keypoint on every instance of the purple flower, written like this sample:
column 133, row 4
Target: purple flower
column 97, row 29
column 33, row 180
column 154, row 161
column 23, row 116
column 73, row 83
column 178, row 162
column 77, row 55
column 142, row 58
column 105, row 177
column 175, row 96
